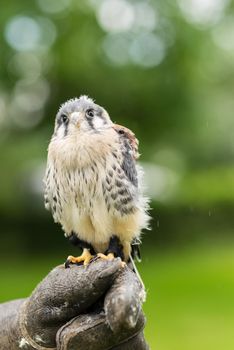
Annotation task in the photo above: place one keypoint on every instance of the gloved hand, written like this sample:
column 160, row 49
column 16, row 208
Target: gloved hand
column 95, row 307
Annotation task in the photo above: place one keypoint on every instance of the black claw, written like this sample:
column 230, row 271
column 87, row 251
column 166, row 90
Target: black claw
column 67, row 264
column 94, row 258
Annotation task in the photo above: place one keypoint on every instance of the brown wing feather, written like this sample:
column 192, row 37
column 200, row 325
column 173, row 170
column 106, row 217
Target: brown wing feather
column 133, row 142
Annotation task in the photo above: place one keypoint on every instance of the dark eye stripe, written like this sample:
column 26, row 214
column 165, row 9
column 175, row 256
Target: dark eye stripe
column 63, row 119
column 66, row 129
column 90, row 121
column 89, row 114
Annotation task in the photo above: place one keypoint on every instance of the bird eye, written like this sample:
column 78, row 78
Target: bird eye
column 64, row 118
column 121, row 131
column 90, row 113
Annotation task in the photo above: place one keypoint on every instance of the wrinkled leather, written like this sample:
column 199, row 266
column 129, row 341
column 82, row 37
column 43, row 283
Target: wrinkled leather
column 9, row 325
column 96, row 307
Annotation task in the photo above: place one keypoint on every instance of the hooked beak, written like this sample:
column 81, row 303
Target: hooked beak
column 76, row 118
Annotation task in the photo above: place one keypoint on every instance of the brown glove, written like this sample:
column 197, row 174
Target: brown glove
column 96, row 307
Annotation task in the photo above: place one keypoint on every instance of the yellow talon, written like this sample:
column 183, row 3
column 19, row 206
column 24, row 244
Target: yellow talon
column 109, row 256
column 85, row 258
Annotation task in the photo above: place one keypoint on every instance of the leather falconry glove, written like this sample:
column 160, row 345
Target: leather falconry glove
column 95, row 307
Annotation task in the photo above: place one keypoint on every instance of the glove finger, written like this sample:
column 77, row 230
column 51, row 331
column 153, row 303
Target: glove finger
column 123, row 301
column 91, row 332
column 137, row 343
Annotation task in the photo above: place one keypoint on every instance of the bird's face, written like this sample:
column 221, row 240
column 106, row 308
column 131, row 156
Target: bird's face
column 80, row 116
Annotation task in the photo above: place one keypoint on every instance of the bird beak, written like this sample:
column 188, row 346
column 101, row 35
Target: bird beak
column 76, row 118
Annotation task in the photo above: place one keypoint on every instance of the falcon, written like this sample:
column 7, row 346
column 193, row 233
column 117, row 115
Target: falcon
column 93, row 186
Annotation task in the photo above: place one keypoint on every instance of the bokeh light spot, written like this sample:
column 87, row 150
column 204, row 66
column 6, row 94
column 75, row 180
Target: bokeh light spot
column 115, row 15
column 3, row 109
column 29, row 98
column 32, row 96
column 161, row 182
column 145, row 16
column 203, row 12
column 223, row 35
column 116, row 48
column 25, row 64
column 22, row 33
column 48, row 32
column 27, row 34
column 147, row 50
column 53, row 6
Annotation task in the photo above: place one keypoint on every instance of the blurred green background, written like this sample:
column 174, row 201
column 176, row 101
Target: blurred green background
column 165, row 69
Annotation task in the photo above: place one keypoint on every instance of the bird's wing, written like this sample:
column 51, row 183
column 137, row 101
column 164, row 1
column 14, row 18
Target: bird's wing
column 130, row 137
column 47, row 188
column 129, row 145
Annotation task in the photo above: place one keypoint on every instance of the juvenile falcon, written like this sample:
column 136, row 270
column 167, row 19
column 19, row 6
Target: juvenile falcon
column 92, row 183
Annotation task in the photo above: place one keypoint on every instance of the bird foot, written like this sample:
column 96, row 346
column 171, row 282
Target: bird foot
column 109, row 257
column 85, row 257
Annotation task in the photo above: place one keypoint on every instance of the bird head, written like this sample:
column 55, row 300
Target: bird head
column 80, row 115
